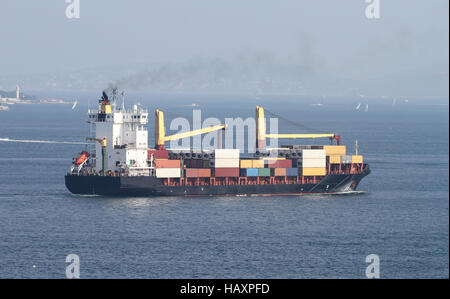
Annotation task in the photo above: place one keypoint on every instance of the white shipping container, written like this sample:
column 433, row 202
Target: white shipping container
column 227, row 153
column 314, row 153
column 314, row 163
column 347, row 159
column 168, row 172
column 226, row 163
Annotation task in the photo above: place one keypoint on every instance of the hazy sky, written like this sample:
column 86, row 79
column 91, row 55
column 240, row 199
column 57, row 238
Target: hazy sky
column 334, row 36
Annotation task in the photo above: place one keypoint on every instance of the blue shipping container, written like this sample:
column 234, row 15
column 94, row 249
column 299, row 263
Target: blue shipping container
column 292, row 171
column 252, row 172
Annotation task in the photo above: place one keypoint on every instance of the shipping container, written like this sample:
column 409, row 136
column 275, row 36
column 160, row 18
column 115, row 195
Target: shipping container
column 205, row 163
column 346, row 159
column 279, row 163
column 249, row 172
column 189, row 163
column 316, row 147
column 273, row 158
column 263, row 171
column 279, row 171
column 313, row 163
column 284, row 163
column 314, row 171
column 332, row 150
column 191, row 172
column 158, row 154
column 301, row 147
column 226, row 172
column 246, row 163
column 292, row 171
column 258, row 164
column 198, row 173
column 167, row 164
column 357, row 159
column 168, row 172
column 334, row 159
column 313, row 153
column 204, row 173
column 227, row 153
column 226, row 163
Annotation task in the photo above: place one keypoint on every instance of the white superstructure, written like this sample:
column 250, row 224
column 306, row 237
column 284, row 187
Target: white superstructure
column 126, row 137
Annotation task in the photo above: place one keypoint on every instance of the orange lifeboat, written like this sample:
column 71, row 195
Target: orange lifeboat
column 82, row 157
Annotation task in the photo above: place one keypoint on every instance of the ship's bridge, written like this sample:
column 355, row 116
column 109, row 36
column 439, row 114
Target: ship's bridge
column 125, row 133
column 136, row 116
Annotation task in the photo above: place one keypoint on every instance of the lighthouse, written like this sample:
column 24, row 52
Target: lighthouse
column 17, row 93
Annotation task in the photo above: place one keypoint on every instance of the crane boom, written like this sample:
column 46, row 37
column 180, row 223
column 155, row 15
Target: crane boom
column 160, row 131
column 194, row 133
column 261, row 132
column 102, row 141
column 295, row 136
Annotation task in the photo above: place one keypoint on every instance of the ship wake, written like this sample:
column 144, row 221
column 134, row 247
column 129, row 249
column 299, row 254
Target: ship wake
column 39, row 141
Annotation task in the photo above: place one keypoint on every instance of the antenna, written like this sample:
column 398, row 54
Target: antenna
column 123, row 100
column 114, row 92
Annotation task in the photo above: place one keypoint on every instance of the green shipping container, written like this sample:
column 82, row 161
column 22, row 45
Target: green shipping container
column 263, row 171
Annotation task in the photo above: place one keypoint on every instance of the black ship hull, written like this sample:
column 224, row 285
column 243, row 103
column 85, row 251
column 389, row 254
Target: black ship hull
column 151, row 186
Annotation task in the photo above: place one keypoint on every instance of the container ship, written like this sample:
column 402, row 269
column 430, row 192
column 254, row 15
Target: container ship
column 121, row 164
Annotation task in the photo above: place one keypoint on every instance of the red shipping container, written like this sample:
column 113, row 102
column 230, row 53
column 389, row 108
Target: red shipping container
column 226, row 172
column 167, row 164
column 280, row 164
column 191, row 173
column 158, row 154
column 204, row 173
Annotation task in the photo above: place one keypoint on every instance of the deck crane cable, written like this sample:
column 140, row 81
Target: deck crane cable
column 295, row 124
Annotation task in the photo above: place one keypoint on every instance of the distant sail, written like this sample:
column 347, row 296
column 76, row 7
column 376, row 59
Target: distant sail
column 74, row 105
column 367, row 108
column 357, row 107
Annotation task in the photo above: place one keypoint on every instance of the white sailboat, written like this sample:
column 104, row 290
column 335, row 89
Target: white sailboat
column 358, row 106
column 367, row 108
column 74, row 105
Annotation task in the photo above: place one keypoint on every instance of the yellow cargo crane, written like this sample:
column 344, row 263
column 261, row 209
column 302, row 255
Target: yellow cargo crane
column 262, row 135
column 103, row 144
column 160, row 131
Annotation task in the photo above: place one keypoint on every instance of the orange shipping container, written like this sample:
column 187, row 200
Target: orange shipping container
column 335, row 159
column 246, row 163
column 257, row 164
column 279, row 171
column 335, row 150
column 357, row 159
column 204, row 173
column 167, row 163
column 191, row 172
column 314, row 171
